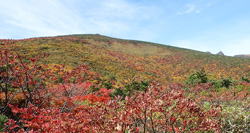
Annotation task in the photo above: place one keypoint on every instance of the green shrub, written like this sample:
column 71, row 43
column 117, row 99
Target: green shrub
column 245, row 79
column 131, row 88
column 197, row 78
column 223, row 83
column 107, row 85
column 207, row 105
column 119, row 92
column 226, row 82
column 94, row 89
column 139, row 86
column 216, row 83
column 3, row 120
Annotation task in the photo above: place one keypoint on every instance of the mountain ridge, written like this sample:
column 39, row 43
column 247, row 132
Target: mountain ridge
column 129, row 40
column 130, row 59
column 105, row 37
column 243, row 55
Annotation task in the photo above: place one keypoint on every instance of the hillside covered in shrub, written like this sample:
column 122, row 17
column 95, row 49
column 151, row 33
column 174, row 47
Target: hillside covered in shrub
column 95, row 83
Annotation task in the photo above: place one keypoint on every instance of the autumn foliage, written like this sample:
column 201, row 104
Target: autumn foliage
column 37, row 97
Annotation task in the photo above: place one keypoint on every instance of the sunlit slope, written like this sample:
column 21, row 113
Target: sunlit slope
column 124, row 60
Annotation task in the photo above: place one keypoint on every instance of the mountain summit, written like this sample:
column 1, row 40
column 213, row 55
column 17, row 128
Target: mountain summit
column 221, row 53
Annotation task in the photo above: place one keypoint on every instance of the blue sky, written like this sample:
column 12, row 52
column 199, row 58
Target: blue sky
column 205, row 25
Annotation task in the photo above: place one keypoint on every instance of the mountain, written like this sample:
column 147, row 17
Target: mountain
column 123, row 60
column 221, row 53
column 243, row 56
column 87, row 82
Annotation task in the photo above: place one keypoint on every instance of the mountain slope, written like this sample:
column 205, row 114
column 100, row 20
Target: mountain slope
column 129, row 59
column 243, row 56
column 71, row 95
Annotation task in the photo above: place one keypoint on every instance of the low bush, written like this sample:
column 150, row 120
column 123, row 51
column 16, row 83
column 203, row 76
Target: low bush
column 235, row 120
column 197, row 78
column 129, row 89
column 245, row 79
column 3, row 120
column 223, row 83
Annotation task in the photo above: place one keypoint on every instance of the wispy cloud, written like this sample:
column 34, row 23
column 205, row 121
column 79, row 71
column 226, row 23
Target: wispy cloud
column 48, row 17
column 189, row 9
column 55, row 17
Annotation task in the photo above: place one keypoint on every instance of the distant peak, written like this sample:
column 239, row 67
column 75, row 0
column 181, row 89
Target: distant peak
column 243, row 56
column 208, row 52
column 220, row 53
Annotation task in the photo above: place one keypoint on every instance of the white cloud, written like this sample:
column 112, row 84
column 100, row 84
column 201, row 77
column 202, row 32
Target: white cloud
column 189, row 9
column 56, row 17
column 48, row 17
